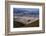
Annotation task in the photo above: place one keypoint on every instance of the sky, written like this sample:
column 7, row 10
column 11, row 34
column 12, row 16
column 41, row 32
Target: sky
column 25, row 11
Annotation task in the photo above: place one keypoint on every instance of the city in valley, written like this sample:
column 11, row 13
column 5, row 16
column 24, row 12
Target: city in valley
column 26, row 21
column 26, row 17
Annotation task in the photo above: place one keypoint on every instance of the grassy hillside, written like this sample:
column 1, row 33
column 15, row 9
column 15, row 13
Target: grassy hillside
column 19, row 24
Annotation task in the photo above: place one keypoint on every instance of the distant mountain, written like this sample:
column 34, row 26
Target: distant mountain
column 25, row 11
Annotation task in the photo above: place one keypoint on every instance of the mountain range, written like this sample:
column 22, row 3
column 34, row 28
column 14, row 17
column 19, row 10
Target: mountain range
column 26, row 11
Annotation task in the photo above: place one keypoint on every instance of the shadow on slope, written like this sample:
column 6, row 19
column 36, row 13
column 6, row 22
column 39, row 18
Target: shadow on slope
column 19, row 24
